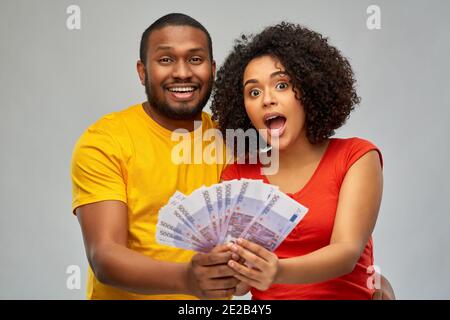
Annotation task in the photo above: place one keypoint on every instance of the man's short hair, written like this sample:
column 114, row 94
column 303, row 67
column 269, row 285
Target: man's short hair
column 172, row 19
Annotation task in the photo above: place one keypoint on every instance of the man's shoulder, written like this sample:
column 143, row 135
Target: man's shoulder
column 208, row 121
column 110, row 128
column 113, row 123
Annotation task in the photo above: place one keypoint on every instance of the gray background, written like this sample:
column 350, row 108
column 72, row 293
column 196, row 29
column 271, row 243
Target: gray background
column 54, row 82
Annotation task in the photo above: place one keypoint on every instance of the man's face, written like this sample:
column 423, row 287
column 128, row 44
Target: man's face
column 179, row 72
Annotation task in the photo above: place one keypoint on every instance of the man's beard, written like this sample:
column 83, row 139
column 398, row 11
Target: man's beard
column 181, row 112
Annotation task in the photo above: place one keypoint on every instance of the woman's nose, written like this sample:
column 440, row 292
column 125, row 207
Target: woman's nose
column 269, row 98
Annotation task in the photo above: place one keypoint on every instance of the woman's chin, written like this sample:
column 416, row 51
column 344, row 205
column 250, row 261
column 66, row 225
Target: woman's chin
column 281, row 144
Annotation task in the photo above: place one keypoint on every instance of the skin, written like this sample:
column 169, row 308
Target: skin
column 176, row 54
column 359, row 197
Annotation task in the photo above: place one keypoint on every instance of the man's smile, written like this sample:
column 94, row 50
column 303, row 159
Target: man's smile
column 182, row 92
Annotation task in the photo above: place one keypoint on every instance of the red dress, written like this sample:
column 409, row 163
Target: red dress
column 320, row 195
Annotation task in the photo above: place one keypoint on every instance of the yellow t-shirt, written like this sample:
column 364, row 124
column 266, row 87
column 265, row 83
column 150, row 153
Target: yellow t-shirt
column 127, row 156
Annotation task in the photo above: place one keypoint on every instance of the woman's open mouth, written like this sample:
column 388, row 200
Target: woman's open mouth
column 275, row 123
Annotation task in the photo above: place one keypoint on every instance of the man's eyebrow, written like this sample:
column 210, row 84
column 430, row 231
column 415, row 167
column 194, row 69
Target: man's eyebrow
column 272, row 75
column 197, row 49
column 163, row 48
column 160, row 48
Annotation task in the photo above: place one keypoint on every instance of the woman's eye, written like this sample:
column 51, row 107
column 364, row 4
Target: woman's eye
column 254, row 93
column 282, row 85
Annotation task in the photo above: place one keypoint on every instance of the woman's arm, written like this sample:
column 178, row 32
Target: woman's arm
column 356, row 215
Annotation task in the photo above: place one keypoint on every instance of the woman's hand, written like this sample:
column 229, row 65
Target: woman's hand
column 264, row 264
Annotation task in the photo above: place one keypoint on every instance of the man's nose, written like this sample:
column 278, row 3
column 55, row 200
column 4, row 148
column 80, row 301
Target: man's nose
column 182, row 70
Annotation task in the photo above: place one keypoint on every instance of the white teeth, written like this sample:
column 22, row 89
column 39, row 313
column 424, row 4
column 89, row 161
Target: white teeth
column 182, row 89
column 271, row 118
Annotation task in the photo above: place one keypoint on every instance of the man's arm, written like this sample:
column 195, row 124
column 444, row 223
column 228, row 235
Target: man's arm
column 105, row 228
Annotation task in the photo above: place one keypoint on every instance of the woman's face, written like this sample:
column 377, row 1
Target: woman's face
column 270, row 102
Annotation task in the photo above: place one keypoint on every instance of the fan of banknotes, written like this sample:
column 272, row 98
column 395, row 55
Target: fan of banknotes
column 221, row 213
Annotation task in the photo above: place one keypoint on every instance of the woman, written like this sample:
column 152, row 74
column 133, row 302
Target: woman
column 291, row 84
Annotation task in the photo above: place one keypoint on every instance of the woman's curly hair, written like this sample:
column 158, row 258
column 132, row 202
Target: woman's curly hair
column 318, row 71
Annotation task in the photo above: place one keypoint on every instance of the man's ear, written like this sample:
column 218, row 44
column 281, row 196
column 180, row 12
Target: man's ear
column 141, row 71
column 213, row 67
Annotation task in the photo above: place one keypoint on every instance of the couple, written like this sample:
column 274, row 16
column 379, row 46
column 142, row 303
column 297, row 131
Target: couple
column 287, row 80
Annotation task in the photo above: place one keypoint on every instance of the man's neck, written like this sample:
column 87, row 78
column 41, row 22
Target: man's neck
column 169, row 123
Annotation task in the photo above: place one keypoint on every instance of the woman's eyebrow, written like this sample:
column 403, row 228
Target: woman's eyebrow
column 272, row 75
column 250, row 81
column 278, row 73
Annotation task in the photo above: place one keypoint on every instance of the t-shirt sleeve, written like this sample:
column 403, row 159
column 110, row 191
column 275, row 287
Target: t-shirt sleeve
column 230, row 172
column 358, row 148
column 96, row 169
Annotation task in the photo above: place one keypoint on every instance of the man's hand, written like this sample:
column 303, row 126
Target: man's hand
column 209, row 276
column 242, row 288
column 386, row 292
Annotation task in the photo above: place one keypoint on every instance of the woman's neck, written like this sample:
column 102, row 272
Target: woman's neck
column 301, row 153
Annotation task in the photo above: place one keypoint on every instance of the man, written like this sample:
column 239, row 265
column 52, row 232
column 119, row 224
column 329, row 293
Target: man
column 123, row 174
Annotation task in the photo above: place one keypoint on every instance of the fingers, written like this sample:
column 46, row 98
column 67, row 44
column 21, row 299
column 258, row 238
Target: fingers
column 251, row 277
column 217, row 294
column 226, row 248
column 256, row 249
column 219, row 283
column 219, row 271
column 244, row 271
column 221, row 248
column 250, row 257
column 247, row 281
column 210, row 259
column 235, row 257
column 241, row 288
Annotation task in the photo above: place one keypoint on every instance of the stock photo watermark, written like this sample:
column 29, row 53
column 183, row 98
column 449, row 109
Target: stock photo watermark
column 242, row 147
column 73, row 21
column 373, row 21
column 73, row 281
column 374, row 280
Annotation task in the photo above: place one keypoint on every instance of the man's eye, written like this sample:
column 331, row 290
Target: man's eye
column 282, row 85
column 254, row 93
column 196, row 60
column 165, row 60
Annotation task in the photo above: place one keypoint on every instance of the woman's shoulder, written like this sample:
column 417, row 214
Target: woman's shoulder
column 349, row 150
column 353, row 142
